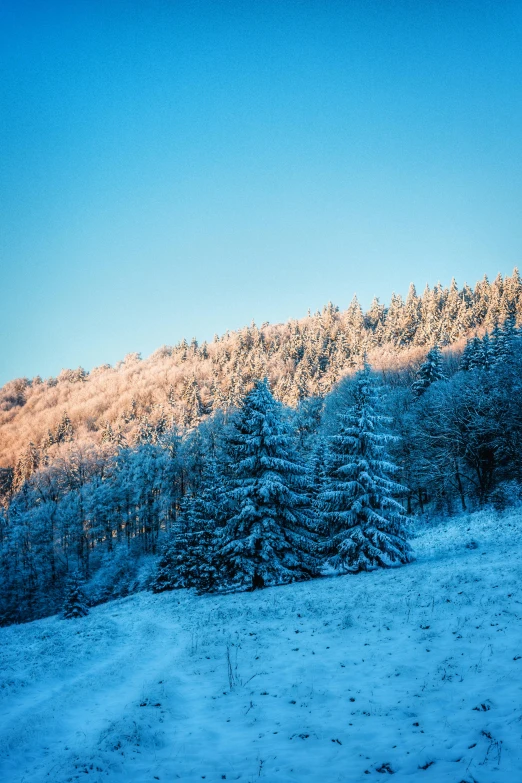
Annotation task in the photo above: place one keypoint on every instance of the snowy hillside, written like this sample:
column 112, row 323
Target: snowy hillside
column 416, row 672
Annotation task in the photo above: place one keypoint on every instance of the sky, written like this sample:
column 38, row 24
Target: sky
column 177, row 169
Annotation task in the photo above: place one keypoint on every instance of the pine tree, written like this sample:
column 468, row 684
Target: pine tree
column 207, row 516
column 471, row 355
column 452, row 326
column 307, row 421
column 317, row 478
column 481, row 297
column 429, row 372
column 188, row 557
column 75, row 603
column 368, row 525
column 394, row 320
column 268, row 538
column 194, row 408
column 202, row 572
column 64, row 431
column 374, row 320
column 411, row 315
column 503, row 341
column 169, row 571
column 511, row 297
column 26, row 465
column 107, row 433
column 487, row 354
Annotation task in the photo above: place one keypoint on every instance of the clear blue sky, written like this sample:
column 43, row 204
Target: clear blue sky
column 176, row 168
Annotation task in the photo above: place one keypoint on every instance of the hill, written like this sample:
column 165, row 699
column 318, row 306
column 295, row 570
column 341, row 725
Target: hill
column 181, row 384
column 413, row 671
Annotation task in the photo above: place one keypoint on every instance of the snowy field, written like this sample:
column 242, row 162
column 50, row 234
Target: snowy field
column 415, row 672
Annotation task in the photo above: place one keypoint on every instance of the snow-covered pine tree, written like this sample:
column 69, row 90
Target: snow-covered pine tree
column 503, row 341
column 317, row 475
column 268, row 539
column 478, row 354
column 207, row 516
column 471, row 355
column 173, row 569
column 317, row 466
column 307, row 420
column 202, row 571
column 429, row 372
column 487, row 356
column 166, row 576
column 65, row 430
column 75, row 602
column 368, row 526
column 187, row 559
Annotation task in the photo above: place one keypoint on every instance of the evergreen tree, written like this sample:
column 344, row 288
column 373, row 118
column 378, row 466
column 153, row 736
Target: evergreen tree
column 487, row 356
column 394, row 320
column 471, row 356
column 374, row 321
column 268, row 538
column 170, row 572
column 354, row 319
column 503, row 341
column 512, row 295
column 187, row 561
column 307, row 421
column 107, row 433
column 411, row 315
column 64, row 431
column 479, row 354
column 206, row 516
column 194, row 408
column 26, row 465
column 174, row 565
column 368, row 524
column 317, row 478
column 75, row 603
column 188, row 557
column 429, row 372
column 430, row 315
column 201, row 568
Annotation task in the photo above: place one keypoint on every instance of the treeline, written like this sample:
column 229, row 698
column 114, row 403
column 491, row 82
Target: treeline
column 181, row 385
column 263, row 493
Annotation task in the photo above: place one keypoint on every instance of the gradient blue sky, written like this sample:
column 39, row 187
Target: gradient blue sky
column 173, row 169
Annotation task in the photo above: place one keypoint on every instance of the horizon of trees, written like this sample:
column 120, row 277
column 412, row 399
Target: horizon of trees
column 182, row 385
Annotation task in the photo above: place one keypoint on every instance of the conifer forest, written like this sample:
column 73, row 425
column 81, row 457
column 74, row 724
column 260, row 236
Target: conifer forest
column 272, row 455
column 285, row 545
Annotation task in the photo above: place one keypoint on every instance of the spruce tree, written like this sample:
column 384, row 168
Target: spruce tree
column 368, row 526
column 173, row 569
column 202, row 572
column 166, row 577
column 429, row 372
column 75, row 603
column 64, row 431
column 317, row 476
column 487, row 356
column 471, row 355
column 268, row 538
column 188, row 557
column 207, row 516
column 503, row 341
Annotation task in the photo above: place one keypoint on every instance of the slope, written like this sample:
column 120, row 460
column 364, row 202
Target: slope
column 180, row 384
column 415, row 672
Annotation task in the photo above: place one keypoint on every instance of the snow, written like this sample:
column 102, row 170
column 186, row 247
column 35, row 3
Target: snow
column 415, row 670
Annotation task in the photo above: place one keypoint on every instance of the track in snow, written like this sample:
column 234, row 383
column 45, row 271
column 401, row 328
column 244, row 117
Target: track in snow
column 344, row 679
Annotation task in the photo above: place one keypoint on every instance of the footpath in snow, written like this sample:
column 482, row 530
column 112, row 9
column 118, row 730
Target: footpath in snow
column 415, row 672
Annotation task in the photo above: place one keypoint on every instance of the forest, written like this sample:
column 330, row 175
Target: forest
column 263, row 489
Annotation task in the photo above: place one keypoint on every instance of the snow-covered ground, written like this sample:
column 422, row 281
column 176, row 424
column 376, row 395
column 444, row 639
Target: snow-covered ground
column 415, row 671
